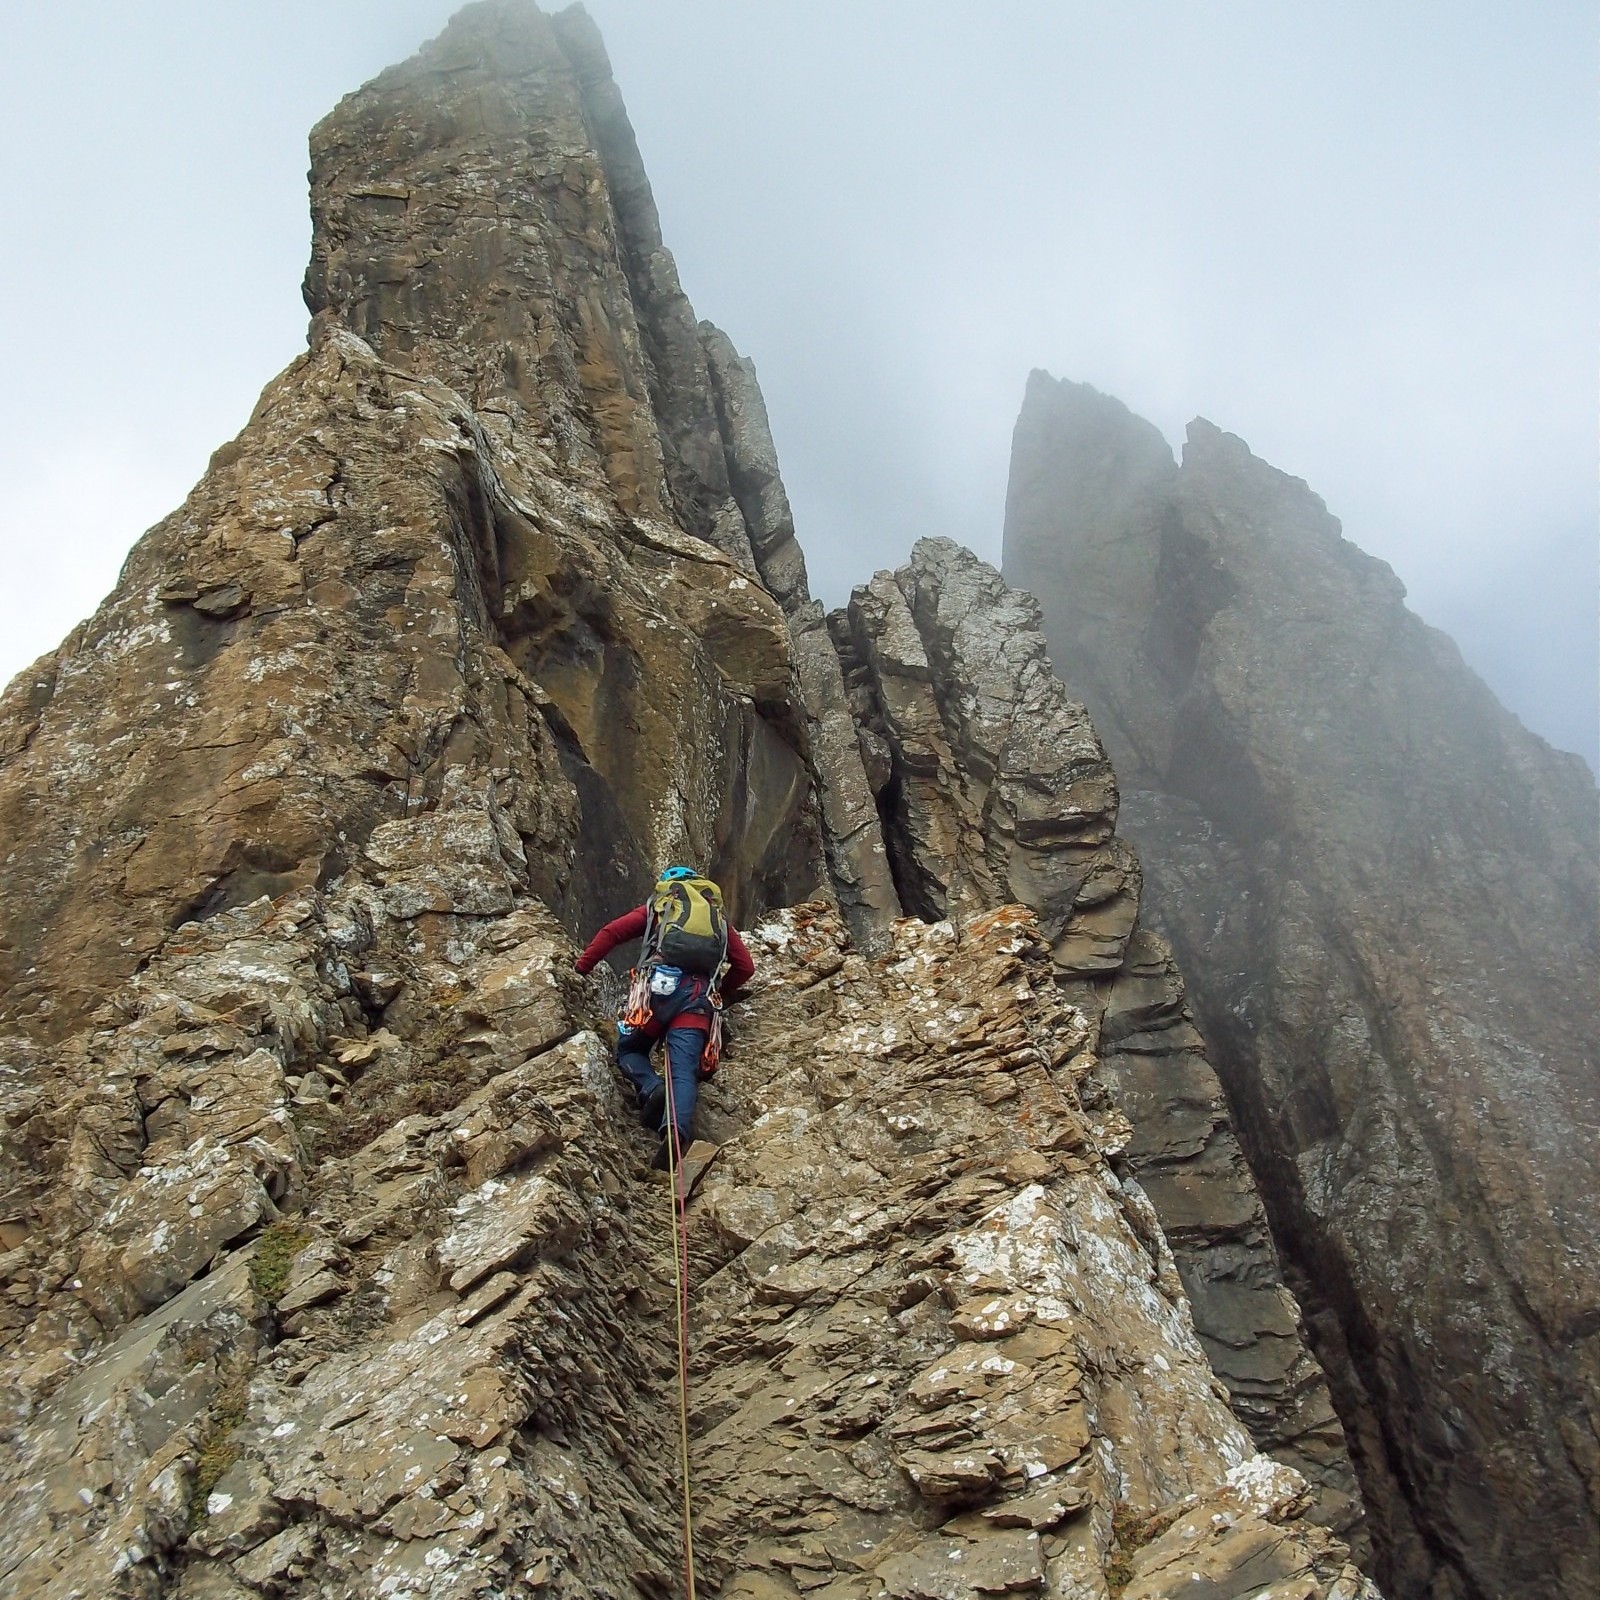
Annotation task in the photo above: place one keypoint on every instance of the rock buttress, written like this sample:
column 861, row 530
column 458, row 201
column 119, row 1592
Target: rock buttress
column 541, row 287
column 994, row 787
column 493, row 520
column 1383, row 893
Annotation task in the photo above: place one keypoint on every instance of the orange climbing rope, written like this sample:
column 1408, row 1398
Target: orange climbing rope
column 680, row 1270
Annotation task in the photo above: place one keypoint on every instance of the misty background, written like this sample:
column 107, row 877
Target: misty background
column 1361, row 236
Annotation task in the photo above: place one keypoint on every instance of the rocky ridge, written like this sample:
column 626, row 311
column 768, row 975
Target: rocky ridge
column 994, row 787
column 331, row 1263
column 1385, row 895
column 940, row 1348
column 489, row 520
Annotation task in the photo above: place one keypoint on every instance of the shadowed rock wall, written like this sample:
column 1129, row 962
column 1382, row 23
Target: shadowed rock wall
column 1383, row 892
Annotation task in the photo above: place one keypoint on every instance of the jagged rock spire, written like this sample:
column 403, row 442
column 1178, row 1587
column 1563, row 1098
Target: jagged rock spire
column 494, row 519
column 1385, row 895
column 994, row 787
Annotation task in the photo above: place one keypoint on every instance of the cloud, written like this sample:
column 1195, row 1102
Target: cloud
column 68, row 524
column 1357, row 239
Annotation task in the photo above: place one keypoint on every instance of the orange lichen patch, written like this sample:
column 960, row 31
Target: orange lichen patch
column 1002, row 920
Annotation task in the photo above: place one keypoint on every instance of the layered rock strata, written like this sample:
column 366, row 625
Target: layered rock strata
column 1383, row 892
column 917, row 1195
column 349, row 1274
column 994, row 787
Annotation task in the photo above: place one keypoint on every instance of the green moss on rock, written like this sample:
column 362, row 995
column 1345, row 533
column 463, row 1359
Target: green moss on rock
column 275, row 1252
column 219, row 1449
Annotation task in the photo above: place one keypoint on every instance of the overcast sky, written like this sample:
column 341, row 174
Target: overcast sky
column 1360, row 235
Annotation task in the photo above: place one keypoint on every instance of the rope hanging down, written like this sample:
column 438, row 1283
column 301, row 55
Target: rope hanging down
column 680, row 1272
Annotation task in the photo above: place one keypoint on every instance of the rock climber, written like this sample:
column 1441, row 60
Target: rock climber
column 691, row 962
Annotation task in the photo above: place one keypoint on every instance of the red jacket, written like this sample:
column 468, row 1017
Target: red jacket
column 630, row 925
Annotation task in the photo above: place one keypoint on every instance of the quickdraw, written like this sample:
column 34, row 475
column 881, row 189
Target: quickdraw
column 636, row 1009
column 712, row 1054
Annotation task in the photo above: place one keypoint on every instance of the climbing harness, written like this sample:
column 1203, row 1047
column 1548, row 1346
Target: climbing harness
column 680, row 1272
column 645, row 987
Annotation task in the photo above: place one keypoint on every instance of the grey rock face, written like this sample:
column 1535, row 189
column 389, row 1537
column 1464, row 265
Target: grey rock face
column 752, row 461
column 998, row 787
column 1383, row 892
column 858, row 861
column 858, row 867
column 1154, row 1071
column 994, row 787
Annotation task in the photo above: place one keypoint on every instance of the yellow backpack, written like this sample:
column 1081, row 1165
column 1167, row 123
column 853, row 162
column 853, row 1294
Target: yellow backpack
column 687, row 926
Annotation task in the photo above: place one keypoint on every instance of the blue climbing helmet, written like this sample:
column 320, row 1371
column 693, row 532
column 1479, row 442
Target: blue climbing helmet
column 674, row 873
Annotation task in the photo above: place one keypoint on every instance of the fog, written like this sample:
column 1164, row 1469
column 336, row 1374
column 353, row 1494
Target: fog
column 1360, row 236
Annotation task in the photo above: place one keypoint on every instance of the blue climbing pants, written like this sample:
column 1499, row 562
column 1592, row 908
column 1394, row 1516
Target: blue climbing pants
column 685, row 1046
